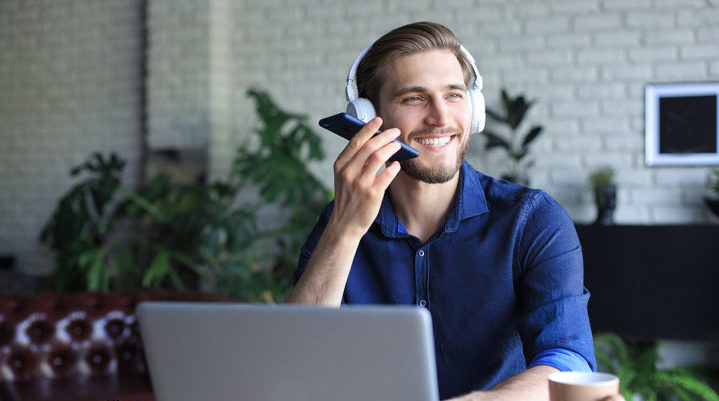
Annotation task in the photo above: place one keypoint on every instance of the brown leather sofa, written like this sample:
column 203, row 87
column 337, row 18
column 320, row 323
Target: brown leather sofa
column 83, row 346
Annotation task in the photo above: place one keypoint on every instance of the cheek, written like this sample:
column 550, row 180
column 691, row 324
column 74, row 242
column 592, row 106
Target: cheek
column 400, row 118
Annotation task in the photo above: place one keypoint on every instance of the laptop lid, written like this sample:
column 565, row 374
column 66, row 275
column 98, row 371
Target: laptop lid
column 222, row 352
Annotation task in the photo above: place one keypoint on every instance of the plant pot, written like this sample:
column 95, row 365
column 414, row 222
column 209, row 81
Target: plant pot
column 712, row 204
column 605, row 198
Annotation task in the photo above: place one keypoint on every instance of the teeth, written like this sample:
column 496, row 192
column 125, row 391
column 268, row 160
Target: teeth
column 434, row 141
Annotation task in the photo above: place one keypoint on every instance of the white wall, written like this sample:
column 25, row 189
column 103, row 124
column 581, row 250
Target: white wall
column 70, row 84
column 586, row 62
column 178, row 73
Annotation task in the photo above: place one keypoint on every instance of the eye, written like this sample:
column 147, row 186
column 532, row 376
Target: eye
column 412, row 99
column 455, row 95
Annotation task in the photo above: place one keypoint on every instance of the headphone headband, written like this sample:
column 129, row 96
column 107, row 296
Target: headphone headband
column 477, row 78
column 352, row 76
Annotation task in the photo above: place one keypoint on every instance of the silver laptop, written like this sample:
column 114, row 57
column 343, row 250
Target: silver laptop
column 222, row 352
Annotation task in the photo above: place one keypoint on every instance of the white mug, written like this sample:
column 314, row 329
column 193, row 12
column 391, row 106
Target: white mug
column 582, row 386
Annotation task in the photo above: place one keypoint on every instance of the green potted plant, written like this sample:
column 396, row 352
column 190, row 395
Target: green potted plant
column 108, row 237
column 636, row 366
column 81, row 229
column 712, row 201
column 605, row 194
column 515, row 144
column 279, row 168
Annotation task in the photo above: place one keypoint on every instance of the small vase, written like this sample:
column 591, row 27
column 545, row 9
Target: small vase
column 605, row 198
column 712, row 204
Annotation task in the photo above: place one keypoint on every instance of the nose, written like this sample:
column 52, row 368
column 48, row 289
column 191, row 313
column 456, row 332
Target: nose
column 437, row 113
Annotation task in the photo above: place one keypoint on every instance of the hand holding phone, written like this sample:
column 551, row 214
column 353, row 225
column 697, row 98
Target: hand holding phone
column 346, row 126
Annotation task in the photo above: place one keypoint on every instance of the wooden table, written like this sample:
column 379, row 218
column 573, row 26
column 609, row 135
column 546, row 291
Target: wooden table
column 103, row 388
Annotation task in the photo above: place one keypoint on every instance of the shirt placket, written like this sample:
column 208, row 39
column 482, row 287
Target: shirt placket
column 421, row 274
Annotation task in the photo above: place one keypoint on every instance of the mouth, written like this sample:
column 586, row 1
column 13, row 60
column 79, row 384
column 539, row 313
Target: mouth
column 435, row 142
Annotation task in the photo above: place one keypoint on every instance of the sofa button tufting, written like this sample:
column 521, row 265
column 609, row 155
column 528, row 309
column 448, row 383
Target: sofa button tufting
column 79, row 329
column 99, row 359
column 115, row 328
column 62, row 361
column 40, row 331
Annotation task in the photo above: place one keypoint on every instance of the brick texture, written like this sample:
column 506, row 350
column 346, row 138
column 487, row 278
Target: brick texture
column 71, row 81
column 586, row 63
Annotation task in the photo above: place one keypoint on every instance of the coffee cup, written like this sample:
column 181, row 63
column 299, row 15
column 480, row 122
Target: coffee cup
column 582, row 386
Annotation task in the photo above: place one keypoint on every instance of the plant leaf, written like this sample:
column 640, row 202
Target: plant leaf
column 97, row 272
column 532, row 135
column 495, row 140
column 683, row 380
column 518, row 110
column 494, row 115
column 158, row 270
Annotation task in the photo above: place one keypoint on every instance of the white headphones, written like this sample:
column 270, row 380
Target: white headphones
column 364, row 110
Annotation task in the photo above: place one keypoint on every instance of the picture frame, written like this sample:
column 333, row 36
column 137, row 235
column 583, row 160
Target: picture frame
column 681, row 126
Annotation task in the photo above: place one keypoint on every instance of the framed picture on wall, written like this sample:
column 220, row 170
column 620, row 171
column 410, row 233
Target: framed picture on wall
column 680, row 124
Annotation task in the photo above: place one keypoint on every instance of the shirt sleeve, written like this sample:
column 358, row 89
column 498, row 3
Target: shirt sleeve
column 562, row 359
column 550, row 283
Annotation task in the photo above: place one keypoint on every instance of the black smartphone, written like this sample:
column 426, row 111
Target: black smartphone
column 346, row 126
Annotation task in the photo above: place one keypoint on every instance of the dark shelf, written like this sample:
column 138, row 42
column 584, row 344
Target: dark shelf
column 650, row 282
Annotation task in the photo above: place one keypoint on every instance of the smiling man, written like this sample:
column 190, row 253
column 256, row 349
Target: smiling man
column 498, row 266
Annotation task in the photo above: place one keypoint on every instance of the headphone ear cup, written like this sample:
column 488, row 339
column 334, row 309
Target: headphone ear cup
column 479, row 116
column 362, row 109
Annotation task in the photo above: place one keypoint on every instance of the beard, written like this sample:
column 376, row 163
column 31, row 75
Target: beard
column 434, row 175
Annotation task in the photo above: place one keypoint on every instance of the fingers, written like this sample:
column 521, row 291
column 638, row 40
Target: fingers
column 372, row 154
column 358, row 141
column 379, row 157
column 376, row 151
column 364, row 143
column 386, row 177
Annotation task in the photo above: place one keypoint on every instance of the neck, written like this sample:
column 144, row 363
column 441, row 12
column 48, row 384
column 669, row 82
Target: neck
column 422, row 207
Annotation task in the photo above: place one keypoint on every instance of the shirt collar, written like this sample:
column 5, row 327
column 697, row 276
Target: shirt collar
column 470, row 202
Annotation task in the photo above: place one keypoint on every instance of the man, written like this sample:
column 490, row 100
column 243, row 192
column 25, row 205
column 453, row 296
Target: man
column 498, row 266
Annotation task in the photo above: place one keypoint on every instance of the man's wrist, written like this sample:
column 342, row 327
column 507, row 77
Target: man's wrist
column 346, row 235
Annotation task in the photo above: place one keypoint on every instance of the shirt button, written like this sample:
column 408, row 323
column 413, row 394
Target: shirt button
column 423, row 303
column 420, row 253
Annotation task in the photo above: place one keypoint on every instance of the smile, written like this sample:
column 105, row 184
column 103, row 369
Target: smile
column 435, row 142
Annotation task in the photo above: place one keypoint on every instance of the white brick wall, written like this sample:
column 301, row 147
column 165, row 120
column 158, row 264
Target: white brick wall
column 178, row 74
column 586, row 62
column 70, row 82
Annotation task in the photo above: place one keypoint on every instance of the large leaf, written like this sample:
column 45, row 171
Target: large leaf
column 495, row 116
column 518, row 108
column 158, row 270
column 97, row 277
column 532, row 135
column 685, row 383
column 494, row 140
column 515, row 109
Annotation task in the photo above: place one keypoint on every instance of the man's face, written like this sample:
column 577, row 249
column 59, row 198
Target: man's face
column 424, row 95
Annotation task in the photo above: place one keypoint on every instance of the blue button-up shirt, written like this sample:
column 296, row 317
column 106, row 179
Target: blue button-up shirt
column 502, row 279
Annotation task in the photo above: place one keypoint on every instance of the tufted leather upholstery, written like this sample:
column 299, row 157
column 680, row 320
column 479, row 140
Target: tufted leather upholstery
column 77, row 336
